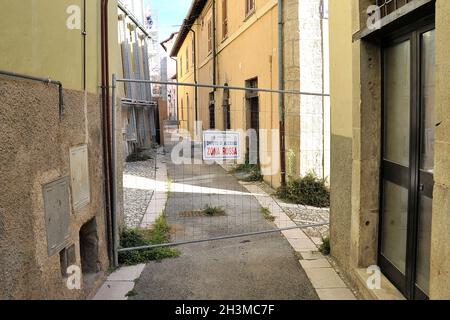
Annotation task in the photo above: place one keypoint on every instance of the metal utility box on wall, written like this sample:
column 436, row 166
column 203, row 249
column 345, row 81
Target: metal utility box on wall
column 79, row 173
column 57, row 214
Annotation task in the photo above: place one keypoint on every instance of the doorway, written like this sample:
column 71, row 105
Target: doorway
column 253, row 119
column 212, row 111
column 408, row 160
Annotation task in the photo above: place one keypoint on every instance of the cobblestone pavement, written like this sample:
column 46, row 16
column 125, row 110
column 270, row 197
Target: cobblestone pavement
column 302, row 215
column 136, row 201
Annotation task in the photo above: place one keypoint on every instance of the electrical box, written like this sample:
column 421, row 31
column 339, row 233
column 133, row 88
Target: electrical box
column 79, row 176
column 57, row 214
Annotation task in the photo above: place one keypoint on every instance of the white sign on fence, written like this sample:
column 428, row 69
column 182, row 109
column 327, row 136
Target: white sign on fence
column 221, row 145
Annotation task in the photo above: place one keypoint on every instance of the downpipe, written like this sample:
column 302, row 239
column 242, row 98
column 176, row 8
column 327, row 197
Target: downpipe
column 281, row 96
column 106, row 129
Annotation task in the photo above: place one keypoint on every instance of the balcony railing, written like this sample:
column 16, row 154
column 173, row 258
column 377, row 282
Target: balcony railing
column 389, row 6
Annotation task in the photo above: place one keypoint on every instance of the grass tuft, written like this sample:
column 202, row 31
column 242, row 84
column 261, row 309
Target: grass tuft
column 267, row 214
column 308, row 190
column 325, row 248
column 159, row 234
column 137, row 156
column 252, row 171
column 131, row 293
column 213, row 211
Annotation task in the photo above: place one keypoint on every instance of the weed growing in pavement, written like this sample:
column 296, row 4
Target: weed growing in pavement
column 252, row 171
column 213, row 211
column 308, row 190
column 267, row 214
column 159, row 234
column 131, row 293
column 137, row 156
column 325, row 248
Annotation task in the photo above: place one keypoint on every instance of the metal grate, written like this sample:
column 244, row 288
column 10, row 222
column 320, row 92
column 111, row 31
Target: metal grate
column 389, row 6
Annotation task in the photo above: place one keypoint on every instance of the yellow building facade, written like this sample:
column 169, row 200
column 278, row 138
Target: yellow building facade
column 236, row 44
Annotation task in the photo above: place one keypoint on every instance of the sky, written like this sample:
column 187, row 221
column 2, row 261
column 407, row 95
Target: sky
column 171, row 14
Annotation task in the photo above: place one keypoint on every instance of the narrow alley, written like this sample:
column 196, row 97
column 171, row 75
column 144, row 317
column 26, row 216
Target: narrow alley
column 224, row 150
column 256, row 267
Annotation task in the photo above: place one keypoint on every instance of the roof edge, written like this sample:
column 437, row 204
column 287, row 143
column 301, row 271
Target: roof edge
column 194, row 12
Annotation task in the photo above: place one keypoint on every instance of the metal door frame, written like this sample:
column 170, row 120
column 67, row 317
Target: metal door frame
column 406, row 284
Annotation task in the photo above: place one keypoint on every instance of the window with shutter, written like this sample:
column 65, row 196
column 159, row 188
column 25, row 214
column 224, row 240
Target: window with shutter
column 224, row 19
column 210, row 44
column 249, row 7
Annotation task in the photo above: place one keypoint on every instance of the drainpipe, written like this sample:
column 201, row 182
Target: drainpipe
column 322, row 11
column 281, row 95
column 43, row 80
column 84, row 33
column 195, row 78
column 106, row 128
column 214, row 43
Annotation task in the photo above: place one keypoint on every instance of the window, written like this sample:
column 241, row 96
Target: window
column 249, row 7
column 187, row 59
column 193, row 51
column 389, row 6
column 224, row 19
column 212, row 111
column 226, row 108
column 182, row 109
column 181, row 67
column 210, row 40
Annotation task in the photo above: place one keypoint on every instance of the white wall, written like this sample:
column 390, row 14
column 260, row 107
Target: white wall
column 314, row 77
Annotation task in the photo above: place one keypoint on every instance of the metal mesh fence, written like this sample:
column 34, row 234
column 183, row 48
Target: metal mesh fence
column 215, row 172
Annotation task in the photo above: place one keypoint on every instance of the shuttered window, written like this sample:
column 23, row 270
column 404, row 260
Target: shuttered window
column 210, row 38
column 224, row 18
column 187, row 59
column 249, row 7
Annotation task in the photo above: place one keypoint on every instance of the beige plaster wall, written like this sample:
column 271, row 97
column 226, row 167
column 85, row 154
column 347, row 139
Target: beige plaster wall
column 341, row 86
column 440, row 245
column 34, row 152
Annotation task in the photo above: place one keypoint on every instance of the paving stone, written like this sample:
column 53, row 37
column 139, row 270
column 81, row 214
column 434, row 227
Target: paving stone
column 335, row 294
column 311, row 255
column 114, row 290
column 315, row 264
column 324, row 278
column 127, row 273
column 303, row 244
column 317, row 241
column 294, row 234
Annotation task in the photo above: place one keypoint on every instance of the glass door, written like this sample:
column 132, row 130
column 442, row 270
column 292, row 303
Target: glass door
column 408, row 161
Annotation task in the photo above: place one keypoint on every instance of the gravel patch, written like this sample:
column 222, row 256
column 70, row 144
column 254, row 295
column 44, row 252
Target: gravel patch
column 136, row 201
column 302, row 215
